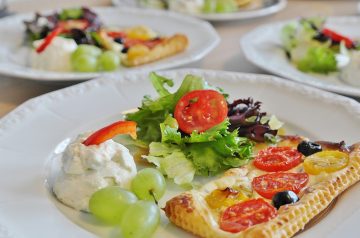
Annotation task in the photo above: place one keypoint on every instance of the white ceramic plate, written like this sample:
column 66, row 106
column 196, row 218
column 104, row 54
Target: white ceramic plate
column 202, row 37
column 34, row 134
column 262, row 47
column 257, row 8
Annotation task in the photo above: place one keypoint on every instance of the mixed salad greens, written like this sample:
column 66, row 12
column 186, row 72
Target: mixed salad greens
column 196, row 131
column 312, row 47
column 196, row 6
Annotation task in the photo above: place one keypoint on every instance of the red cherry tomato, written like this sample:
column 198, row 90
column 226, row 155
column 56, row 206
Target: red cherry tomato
column 338, row 37
column 274, row 159
column 199, row 110
column 108, row 132
column 268, row 184
column 246, row 214
column 49, row 38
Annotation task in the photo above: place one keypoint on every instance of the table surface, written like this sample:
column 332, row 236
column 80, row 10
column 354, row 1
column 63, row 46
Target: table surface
column 227, row 56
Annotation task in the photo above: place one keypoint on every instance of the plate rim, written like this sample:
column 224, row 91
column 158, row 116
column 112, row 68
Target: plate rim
column 53, row 76
column 252, row 56
column 12, row 118
column 240, row 15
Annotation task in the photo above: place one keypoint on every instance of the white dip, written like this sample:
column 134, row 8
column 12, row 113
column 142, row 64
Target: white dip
column 187, row 6
column 350, row 73
column 56, row 56
column 87, row 169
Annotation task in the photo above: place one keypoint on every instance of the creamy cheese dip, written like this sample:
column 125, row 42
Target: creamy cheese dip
column 87, row 169
column 190, row 6
column 56, row 56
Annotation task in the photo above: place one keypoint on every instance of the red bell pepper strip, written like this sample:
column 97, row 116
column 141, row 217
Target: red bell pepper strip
column 338, row 37
column 108, row 132
column 49, row 38
column 116, row 34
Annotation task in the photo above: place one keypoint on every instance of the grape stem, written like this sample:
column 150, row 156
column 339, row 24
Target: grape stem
column 153, row 195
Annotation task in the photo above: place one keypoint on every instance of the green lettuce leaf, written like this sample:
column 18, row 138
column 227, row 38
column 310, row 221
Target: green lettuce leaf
column 172, row 162
column 319, row 59
column 153, row 112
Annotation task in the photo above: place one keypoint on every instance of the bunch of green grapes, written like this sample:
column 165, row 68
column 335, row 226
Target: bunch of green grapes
column 136, row 218
column 220, row 6
column 89, row 58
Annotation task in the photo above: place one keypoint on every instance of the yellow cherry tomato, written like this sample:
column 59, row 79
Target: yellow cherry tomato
column 225, row 198
column 140, row 33
column 326, row 161
column 137, row 50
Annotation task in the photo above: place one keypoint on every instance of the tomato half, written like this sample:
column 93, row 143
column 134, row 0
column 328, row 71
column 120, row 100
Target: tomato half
column 108, row 132
column 274, row 159
column 199, row 110
column 225, row 198
column 268, row 184
column 246, row 214
column 326, row 161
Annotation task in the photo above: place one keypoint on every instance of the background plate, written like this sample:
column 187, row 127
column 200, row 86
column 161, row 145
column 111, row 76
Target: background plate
column 257, row 8
column 202, row 37
column 33, row 135
column 264, row 43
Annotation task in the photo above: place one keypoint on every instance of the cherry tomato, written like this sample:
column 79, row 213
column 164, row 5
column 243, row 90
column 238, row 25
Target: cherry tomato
column 338, row 37
column 200, row 110
column 225, row 198
column 268, row 185
column 274, row 159
column 49, row 38
column 108, row 132
column 246, row 214
column 326, row 161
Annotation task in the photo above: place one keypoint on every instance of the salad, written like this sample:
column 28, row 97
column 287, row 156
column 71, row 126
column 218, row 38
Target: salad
column 313, row 47
column 196, row 131
column 197, row 6
column 76, row 39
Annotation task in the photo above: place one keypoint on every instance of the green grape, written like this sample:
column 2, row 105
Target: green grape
column 86, row 50
column 209, row 6
column 140, row 220
column 108, row 61
column 224, row 6
column 149, row 184
column 109, row 204
column 84, row 63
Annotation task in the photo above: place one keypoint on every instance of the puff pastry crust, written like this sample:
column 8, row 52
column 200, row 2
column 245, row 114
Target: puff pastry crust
column 191, row 212
column 169, row 46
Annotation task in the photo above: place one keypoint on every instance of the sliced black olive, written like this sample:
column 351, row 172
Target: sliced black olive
column 124, row 50
column 308, row 148
column 283, row 198
column 119, row 40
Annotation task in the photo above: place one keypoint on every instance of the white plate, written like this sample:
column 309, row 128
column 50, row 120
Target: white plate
column 257, row 8
column 34, row 134
column 262, row 47
column 202, row 37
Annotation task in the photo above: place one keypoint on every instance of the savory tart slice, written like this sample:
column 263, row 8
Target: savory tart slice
column 275, row 195
column 155, row 49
